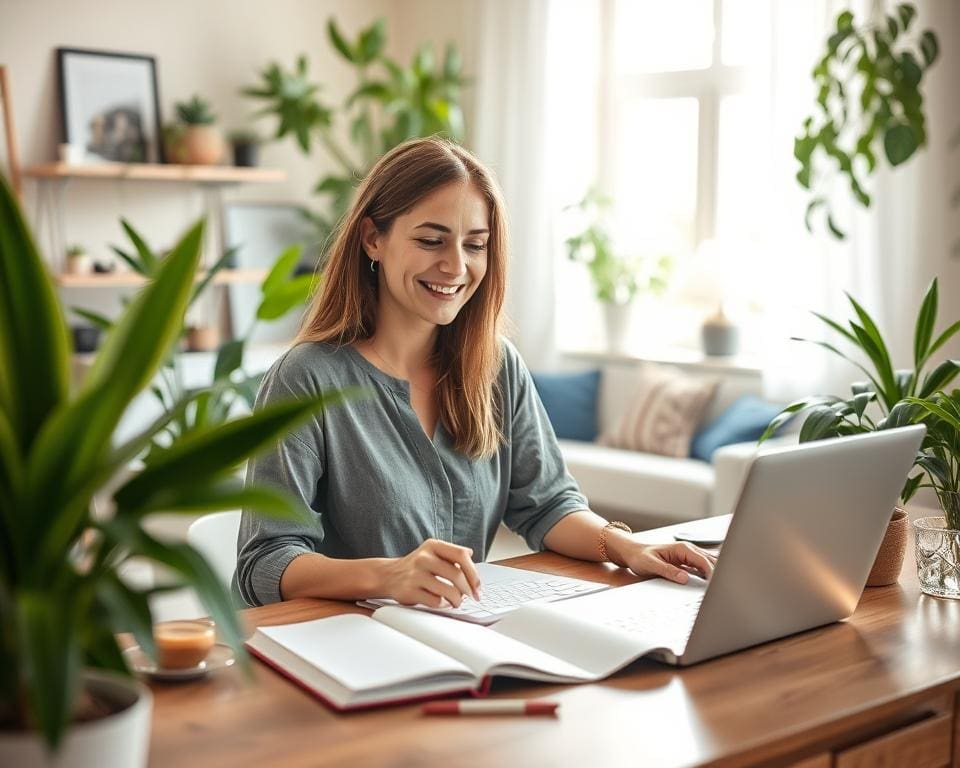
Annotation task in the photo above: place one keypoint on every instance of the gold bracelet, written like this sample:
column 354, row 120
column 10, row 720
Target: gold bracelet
column 602, row 543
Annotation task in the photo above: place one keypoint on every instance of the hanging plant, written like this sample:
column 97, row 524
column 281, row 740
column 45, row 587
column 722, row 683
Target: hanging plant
column 869, row 105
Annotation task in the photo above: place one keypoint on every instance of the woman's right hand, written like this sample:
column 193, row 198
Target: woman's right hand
column 434, row 574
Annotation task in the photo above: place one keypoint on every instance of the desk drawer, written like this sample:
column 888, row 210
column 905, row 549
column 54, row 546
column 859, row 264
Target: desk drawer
column 922, row 745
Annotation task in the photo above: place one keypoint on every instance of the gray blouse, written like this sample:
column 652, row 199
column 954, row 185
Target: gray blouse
column 379, row 486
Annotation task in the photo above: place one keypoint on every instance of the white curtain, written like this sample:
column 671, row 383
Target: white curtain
column 508, row 134
column 893, row 249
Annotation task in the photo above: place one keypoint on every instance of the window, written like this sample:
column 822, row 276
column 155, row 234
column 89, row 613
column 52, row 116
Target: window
column 681, row 138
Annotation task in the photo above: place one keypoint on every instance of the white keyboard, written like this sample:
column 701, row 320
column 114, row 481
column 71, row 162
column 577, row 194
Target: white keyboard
column 504, row 590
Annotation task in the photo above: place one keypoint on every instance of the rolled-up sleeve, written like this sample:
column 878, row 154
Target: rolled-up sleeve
column 541, row 490
column 295, row 465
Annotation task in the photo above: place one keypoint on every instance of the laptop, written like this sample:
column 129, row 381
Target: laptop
column 804, row 534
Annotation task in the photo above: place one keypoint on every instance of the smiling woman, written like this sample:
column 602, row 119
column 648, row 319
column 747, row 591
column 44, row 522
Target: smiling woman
column 409, row 485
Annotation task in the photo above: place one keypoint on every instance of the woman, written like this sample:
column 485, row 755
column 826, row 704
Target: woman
column 409, row 485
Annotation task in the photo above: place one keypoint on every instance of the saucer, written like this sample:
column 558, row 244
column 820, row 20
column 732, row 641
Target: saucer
column 220, row 657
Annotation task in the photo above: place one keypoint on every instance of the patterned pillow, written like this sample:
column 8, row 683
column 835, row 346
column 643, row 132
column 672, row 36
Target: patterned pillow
column 666, row 410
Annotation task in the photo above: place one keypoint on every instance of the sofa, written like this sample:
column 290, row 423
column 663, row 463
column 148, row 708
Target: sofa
column 646, row 490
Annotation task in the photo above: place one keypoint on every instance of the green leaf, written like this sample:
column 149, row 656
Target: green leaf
column 222, row 263
column 452, row 62
column 129, row 610
column 935, row 409
column 282, row 268
column 788, row 413
column 75, row 439
column 133, row 263
column 903, row 414
column 910, row 488
column 285, row 298
column 372, row 90
column 899, row 143
column 880, row 355
column 212, row 453
column 817, row 202
column 229, row 359
column 929, row 47
column 939, row 377
column 837, row 327
column 860, row 402
column 819, row 424
column 102, row 322
column 910, row 68
column 834, row 229
column 339, row 42
column 34, row 345
column 845, row 20
column 147, row 257
column 944, row 337
column 371, row 42
column 50, row 659
column 926, row 319
column 906, row 12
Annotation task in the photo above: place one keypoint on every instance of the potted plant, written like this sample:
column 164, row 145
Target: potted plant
column 78, row 261
column 888, row 398
column 938, row 538
column 201, row 140
column 617, row 279
column 245, row 143
column 869, row 105
column 64, row 683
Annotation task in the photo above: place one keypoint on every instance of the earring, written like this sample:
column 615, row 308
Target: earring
column 373, row 266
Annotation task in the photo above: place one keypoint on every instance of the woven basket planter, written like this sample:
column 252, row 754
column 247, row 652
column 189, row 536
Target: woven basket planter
column 889, row 562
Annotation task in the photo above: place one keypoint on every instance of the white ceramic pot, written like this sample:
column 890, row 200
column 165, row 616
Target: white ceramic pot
column 121, row 740
column 617, row 322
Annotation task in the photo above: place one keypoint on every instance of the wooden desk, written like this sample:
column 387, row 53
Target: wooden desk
column 884, row 682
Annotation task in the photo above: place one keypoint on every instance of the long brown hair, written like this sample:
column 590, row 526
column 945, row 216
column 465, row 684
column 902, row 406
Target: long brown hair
column 468, row 354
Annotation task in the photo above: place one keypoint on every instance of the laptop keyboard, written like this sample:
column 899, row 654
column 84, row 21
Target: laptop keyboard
column 499, row 599
column 671, row 620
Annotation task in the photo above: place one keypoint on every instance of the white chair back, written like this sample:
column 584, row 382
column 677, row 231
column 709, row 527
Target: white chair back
column 215, row 536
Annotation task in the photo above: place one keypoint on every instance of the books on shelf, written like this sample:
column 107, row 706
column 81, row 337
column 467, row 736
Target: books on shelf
column 400, row 654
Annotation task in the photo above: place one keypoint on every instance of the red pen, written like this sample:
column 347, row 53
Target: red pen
column 491, row 707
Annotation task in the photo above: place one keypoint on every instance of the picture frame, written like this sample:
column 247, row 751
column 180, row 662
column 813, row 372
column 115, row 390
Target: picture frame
column 110, row 105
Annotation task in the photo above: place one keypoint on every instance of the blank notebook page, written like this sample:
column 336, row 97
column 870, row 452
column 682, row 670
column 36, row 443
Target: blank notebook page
column 361, row 653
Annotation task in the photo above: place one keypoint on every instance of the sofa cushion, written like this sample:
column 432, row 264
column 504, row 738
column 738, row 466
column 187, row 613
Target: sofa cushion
column 570, row 400
column 629, row 480
column 745, row 420
column 665, row 410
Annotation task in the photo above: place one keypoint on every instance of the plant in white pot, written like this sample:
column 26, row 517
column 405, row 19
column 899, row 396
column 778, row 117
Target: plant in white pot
column 64, row 684
column 938, row 538
column 617, row 279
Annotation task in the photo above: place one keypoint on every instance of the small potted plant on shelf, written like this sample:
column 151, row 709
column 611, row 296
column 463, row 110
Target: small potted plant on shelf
column 888, row 398
column 79, row 261
column 938, row 538
column 245, row 143
column 64, row 681
column 617, row 279
column 201, row 141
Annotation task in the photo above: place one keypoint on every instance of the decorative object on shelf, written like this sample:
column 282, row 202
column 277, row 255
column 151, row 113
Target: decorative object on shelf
column 390, row 104
column 9, row 133
column 617, row 279
column 85, row 338
column 901, row 396
column 72, row 154
column 202, row 338
column 200, row 142
column 79, row 262
column 245, row 144
column 109, row 105
column 708, row 280
column 64, row 597
column 868, row 95
column 719, row 337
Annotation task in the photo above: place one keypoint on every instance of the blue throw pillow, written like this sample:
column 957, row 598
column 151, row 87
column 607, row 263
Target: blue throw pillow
column 745, row 420
column 570, row 400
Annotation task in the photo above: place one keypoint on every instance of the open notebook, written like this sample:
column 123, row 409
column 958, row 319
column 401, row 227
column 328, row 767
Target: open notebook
column 400, row 654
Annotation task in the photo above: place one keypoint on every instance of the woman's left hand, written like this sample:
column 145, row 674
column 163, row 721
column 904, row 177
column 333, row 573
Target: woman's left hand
column 671, row 561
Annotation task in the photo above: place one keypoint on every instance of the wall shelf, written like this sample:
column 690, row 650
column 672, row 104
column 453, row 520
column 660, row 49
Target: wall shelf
column 132, row 279
column 192, row 174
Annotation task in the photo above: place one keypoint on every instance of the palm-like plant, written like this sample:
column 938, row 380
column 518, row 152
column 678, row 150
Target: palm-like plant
column 61, row 596
column 895, row 392
column 940, row 455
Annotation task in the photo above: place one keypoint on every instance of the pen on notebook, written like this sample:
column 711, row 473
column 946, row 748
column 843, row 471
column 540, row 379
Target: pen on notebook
column 491, row 707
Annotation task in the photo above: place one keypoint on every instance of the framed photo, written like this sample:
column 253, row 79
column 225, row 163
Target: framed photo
column 110, row 106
